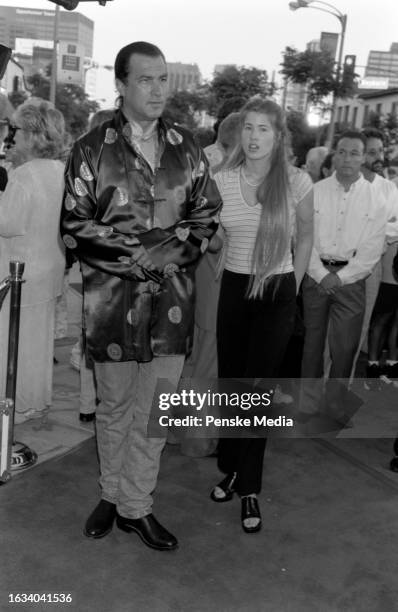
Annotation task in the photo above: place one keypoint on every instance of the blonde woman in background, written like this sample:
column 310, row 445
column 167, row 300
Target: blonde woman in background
column 29, row 232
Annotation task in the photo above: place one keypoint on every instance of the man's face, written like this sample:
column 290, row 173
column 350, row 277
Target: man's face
column 145, row 89
column 313, row 166
column 374, row 155
column 349, row 158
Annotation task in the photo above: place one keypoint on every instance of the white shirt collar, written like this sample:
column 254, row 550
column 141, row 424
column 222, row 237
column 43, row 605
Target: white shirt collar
column 139, row 134
column 356, row 183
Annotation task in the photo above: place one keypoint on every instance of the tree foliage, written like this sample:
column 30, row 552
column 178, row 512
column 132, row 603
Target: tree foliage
column 226, row 93
column 183, row 107
column 76, row 107
column 317, row 70
column 70, row 99
column 232, row 87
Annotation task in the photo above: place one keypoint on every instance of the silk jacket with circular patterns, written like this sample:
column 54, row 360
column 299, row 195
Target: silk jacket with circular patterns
column 113, row 204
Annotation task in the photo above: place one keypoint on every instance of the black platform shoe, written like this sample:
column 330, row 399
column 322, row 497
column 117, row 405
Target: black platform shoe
column 100, row 521
column 250, row 509
column 226, row 486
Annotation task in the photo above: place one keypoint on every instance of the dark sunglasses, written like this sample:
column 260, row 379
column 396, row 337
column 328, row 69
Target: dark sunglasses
column 9, row 139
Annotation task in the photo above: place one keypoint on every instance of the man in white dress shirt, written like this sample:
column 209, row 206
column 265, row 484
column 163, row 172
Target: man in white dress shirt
column 348, row 241
column 388, row 205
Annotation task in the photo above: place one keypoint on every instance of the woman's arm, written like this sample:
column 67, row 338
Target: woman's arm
column 305, row 236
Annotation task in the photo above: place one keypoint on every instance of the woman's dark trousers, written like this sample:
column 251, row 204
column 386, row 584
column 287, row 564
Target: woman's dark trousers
column 252, row 336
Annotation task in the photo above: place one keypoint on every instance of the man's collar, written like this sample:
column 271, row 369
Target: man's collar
column 139, row 133
column 122, row 121
column 358, row 181
column 368, row 174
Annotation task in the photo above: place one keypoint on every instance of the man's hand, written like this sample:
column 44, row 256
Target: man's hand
column 170, row 270
column 331, row 282
column 215, row 244
column 142, row 258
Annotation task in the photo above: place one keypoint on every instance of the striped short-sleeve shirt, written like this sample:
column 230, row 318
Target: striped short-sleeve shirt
column 240, row 221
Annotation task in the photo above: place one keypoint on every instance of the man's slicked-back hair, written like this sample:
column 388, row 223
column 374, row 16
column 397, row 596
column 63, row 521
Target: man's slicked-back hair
column 353, row 135
column 123, row 57
column 372, row 132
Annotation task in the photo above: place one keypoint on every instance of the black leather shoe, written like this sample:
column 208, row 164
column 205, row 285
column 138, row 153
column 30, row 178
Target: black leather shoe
column 87, row 418
column 250, row 509
column 100, row 521
column 150, row 531
column 226, row 486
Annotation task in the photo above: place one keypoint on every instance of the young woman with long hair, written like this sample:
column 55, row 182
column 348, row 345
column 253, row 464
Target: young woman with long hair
column 267, row 206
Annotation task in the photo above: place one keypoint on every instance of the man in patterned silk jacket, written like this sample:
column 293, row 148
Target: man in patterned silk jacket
column 139, row 209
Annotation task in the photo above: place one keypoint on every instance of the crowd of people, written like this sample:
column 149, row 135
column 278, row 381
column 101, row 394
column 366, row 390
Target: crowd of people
column 196, row 263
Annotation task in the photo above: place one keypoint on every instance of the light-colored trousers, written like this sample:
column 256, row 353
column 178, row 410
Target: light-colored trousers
column 129, row 460
column 88, row 392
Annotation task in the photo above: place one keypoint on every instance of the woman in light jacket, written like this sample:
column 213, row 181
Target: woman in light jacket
column 29, row 232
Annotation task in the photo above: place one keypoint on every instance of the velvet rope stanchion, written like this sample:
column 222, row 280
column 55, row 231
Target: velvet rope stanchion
column 14, row 455
column 6, row 420
column 6, row 411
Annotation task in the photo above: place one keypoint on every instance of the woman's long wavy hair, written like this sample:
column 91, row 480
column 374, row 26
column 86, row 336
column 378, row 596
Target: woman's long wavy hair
column 273, row 235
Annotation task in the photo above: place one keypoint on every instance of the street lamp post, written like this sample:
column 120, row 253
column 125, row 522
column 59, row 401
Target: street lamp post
column 69, row 5
column 332, row 10
column 54, row 64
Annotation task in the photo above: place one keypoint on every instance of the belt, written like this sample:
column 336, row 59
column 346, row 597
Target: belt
column 334, row 262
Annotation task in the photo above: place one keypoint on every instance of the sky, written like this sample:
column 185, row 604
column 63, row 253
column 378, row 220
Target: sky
column 242, row 32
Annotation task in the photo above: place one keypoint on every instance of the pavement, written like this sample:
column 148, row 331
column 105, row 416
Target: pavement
column 329, row 520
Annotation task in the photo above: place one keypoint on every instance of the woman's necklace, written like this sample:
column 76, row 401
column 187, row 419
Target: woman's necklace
column 247, row 181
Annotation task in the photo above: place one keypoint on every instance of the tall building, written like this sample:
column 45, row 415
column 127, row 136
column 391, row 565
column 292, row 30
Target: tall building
column 314, row 45
column 30, row 33
column 18, row 24
column 218, row 68
column 354, row 112
column 296, row 97
column 12, row 81
column 183, row 76
column 384, row 64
